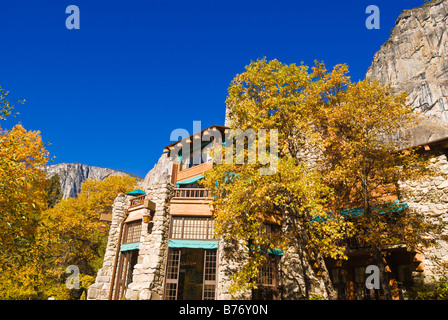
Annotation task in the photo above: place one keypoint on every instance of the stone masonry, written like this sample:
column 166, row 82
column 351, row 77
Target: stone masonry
column 101, row 288
column 149, row 272
column 430, row 198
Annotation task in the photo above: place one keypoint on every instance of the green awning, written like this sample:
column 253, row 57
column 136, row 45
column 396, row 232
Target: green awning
column 274, row 251
column 137, row 192
column 193, row 244
column 189, row 181
column 381, row 208
column 277, row 252
column 130, row 246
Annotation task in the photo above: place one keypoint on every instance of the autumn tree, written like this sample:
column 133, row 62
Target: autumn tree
column 365, row 144
column 22, row 198
column 22, row 183
column 72, row 232
column 351, row 138
column 272, row 95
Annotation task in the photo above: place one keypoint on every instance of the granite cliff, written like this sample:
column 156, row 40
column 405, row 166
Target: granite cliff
column 414, row 60
column 72, row 175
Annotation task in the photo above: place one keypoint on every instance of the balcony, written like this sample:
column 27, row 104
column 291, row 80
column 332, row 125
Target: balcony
column 140, row 202
column 193, row 171
column 190, row 193
column 191, row 202
column 137, row 201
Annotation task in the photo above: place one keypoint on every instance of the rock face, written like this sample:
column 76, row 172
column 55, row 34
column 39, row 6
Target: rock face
column 161, row 173
column 415, row 58
column 72, row 175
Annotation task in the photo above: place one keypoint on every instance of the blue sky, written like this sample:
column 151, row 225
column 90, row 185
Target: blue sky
column 110, row 93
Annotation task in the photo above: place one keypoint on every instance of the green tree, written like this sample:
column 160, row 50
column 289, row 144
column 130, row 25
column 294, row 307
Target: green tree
column 54, row 191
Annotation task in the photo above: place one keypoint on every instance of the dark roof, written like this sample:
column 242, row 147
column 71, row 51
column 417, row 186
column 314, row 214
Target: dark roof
column 220, row 128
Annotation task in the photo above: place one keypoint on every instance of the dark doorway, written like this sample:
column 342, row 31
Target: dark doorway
column 191, row 274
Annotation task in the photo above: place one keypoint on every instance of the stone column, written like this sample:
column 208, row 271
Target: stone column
column 430, row 198
column 297, row 278
column 231, row 257
column 101, row 288
column 149, row 273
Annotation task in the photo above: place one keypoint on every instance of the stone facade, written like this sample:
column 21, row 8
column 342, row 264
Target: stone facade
column 430, row 198
column 148, row 275
column 101, row 288
column 231, row 257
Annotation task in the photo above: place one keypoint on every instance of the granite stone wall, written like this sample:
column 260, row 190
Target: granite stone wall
column 149, row 273
column 429, row 197
column 101, row 288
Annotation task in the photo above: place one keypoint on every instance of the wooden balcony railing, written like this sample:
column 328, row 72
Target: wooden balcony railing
column 352, row 243
column 190, row 193
column 137, row 201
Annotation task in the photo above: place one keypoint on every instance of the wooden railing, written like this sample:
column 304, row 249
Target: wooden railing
column 352, row 243
column 136, row 201
column 190, row 193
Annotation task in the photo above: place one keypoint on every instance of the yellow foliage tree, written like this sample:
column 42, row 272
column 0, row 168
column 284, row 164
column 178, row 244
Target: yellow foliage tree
column 22, row 198
column 71, row 232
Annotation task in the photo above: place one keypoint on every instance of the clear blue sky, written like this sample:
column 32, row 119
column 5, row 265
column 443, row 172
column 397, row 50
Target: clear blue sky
column 110, row 93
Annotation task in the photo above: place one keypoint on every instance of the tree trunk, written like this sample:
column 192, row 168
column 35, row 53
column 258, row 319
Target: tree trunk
column 332, row 294
column 383, row 276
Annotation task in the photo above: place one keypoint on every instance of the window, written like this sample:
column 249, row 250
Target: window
column 209, row 274
column 172, row 274
column 361, row 291
column 338, row 279
column 191, row 274
column 192, row 228
column 132, row 232
column 195, row 158
column 267, row 280
column 128, row 260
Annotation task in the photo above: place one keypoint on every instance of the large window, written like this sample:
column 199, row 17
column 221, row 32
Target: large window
column 127, row 262
column 192, row 228
column 132, row 232
column 267, row 282
column 190, row 274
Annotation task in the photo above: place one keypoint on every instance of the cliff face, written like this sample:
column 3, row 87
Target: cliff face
column 161, row 173
column 415, row 60
column 72, row 175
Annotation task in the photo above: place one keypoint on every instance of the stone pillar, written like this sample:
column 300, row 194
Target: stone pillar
column 430, row 198
column 149, row 273
column 231, row 257
column 101, row 288
column 297, row 278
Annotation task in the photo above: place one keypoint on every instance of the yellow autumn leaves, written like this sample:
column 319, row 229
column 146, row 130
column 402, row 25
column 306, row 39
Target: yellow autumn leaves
column 37, row 243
